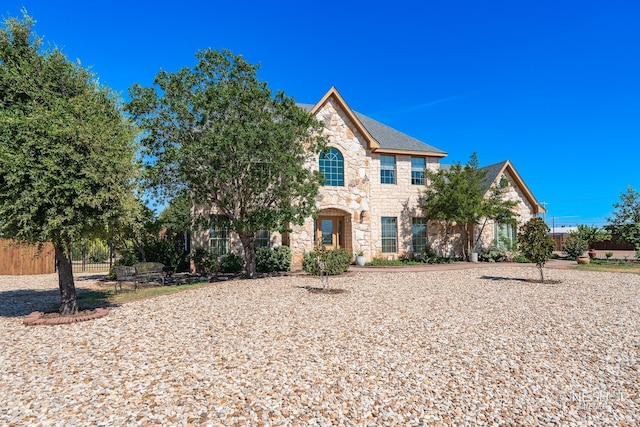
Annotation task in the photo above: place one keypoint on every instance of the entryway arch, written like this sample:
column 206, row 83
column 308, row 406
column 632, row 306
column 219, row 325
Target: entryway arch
column 333, row 229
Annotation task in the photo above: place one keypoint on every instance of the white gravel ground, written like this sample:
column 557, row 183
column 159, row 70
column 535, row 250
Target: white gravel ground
column 468, row 347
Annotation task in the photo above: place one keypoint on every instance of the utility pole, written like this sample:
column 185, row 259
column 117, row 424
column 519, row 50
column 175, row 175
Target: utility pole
column 544, row 214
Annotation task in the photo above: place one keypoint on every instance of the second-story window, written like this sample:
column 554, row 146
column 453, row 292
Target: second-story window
column 387, row 169
column 332, row 167
column 418, row 166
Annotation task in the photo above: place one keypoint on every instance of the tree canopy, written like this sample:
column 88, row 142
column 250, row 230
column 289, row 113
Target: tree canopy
column 218, row 132
column 624, row 225
column 66, row 151
column 460, row 198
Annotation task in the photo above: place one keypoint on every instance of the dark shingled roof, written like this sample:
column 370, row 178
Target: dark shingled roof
column 492, row 172
column 388, row 137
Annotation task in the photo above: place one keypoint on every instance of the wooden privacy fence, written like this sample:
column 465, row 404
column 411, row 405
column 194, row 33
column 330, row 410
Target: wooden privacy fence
column 17, row 259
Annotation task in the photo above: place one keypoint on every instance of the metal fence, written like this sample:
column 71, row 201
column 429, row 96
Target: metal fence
column 96, row 256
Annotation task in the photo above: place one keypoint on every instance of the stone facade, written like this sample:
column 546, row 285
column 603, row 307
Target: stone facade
column 363, row 200
column 358, row 207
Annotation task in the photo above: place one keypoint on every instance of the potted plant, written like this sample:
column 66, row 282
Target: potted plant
column 592, row 253
column 360, row 258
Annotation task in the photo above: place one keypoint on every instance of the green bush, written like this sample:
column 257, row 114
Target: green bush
column 276, row 259
column 336, row 261
column 493, row 253
column 574, row 246
column 127, row 256
column 167, row 252
column 205, row 261
column 521, row 258
column 97, row 251
column 231, row 263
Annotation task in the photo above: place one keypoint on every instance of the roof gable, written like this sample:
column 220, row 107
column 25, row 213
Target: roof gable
column 496, row 170
column 378, row 136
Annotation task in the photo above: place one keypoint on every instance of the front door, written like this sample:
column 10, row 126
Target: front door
column 330, row 231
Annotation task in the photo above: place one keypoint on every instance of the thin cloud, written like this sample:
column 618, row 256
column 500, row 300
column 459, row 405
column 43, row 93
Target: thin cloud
column 425, row 105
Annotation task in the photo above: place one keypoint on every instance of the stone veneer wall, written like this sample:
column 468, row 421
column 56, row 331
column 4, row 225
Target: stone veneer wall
column 524, row 209
column 348, row 201
column 362, row 200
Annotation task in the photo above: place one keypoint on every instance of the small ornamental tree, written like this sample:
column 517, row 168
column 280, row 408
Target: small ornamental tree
column 535, row 243
column 66, row 152
column 592, row 234
column 575, row 245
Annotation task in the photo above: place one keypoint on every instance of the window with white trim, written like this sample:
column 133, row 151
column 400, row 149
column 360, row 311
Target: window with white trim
column 331, row 165
column 389, row 234
column 387, row 169
column 263, row 239
column 219, row 241
column 419, row 239
column 505, row 235
column 418, row 166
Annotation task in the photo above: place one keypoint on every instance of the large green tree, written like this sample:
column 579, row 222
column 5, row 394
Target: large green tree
column 66, row 151
column 624, row 225
column 218, row 132
column 460, row 199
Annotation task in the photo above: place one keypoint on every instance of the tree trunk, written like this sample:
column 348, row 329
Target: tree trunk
column 68, row 300
column 249, row 246
column 464, row 244
column 541, row 269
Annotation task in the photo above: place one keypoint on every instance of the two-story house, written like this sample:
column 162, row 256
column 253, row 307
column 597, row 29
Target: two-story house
column 374, row 178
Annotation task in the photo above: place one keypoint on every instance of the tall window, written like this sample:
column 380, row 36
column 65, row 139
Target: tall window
column 389, row 234
column 418, row 165
column 219, row 241
column 505, row 235
column 332, row 167
column 263, row 239
column 418, row 235
column 387, row 169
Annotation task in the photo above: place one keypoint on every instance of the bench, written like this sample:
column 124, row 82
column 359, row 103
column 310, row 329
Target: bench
column 142, row 272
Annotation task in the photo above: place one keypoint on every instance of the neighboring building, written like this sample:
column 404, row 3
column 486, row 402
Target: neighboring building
column 374, row 178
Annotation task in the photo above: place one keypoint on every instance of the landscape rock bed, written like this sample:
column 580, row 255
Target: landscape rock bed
column 415, row 348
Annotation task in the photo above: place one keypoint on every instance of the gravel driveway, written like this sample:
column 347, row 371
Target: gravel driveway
column 469, row 347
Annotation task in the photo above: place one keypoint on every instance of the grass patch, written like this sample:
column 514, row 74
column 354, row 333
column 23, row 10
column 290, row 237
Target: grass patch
column 108, row 297
column 612, row 266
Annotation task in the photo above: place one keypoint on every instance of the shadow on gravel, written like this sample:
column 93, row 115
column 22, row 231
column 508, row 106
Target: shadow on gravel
column 496, row 278
column 520, row 279
column 326, row 291
column 21, row 302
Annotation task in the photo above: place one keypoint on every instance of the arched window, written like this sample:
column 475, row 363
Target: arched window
column 332, row 167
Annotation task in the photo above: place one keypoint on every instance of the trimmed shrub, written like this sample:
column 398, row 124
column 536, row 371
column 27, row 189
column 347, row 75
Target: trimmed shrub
column 521, row 258
column 574, row 246
column 231, row 263
column 271, row 260
column 493, row 254
column 205, row 261
column 336, row 261
column 167, row 252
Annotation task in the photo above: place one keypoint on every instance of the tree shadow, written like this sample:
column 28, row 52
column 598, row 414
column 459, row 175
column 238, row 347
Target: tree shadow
column 21, row 302
column 520, row 279
column 499, row 278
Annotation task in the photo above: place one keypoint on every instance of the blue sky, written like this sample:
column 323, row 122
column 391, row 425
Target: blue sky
column 554, row 86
